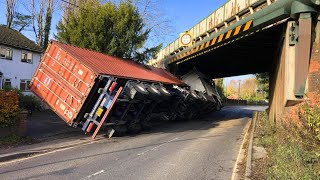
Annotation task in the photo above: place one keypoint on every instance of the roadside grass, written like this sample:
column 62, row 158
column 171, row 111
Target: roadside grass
column 14, row 140
column 291, row 154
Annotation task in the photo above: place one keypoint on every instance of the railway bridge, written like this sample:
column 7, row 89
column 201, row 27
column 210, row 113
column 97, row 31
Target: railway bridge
column 254, row 36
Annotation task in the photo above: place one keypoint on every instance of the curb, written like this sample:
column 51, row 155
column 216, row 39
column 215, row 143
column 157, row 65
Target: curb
column 24, row 155
column 249, row 152
column 235, row 174
column 249, row 132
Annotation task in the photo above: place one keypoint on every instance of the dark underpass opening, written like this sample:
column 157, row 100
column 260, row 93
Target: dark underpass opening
column 254, row 53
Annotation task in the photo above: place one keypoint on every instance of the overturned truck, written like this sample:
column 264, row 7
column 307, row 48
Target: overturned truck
column 95, row 91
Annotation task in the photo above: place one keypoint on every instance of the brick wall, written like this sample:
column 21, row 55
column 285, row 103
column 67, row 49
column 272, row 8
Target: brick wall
column 314, row 68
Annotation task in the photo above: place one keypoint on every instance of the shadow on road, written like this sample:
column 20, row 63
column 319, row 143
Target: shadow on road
column 47, row 125
column 209, row 121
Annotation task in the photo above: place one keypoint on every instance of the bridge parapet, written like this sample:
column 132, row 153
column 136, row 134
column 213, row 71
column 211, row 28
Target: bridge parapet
column 239, row 17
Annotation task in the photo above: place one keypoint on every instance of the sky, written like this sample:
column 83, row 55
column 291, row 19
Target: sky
column 181, row 16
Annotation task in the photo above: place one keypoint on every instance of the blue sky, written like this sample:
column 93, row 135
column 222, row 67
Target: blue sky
column 182, row 15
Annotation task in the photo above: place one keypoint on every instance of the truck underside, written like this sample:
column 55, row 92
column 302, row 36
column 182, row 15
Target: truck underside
column 140, row 102
column 96, row 92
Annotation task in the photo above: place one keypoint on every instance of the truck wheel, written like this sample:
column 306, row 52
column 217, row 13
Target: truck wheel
column 153, row 90
column 141, row 92
column 164, row 91
column 133, row 128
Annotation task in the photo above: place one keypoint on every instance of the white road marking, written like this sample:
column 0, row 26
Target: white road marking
column 194, row 152
column 99, row 172
column 157, row 146
column 94, row 174
column 46, row 153
column 170, row 164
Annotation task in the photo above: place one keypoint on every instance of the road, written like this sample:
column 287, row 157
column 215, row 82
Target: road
column 200, row 149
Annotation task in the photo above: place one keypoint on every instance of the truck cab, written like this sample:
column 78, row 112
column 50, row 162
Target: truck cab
column 201, row 84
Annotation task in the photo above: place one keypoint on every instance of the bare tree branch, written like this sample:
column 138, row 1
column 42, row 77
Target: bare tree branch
column 10, row 11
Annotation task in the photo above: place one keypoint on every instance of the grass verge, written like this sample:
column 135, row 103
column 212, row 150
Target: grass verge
column 291, row 155
column 14, row 140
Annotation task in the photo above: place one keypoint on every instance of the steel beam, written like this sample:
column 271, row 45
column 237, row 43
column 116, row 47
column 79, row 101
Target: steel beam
column 107, row 113
column 273, row 13
column 303, row 51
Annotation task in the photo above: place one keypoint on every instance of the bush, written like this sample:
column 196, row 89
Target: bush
column 291, row 154
column 310, row 115
column 306, row 117
column 29, row 103
column 26, row 102
column 9, row 107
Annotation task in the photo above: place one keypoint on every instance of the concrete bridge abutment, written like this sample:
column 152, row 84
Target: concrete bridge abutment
column 296, row 75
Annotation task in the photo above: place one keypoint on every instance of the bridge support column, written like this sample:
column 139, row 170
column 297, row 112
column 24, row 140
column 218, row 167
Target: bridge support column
column 314, row 68
column 297, row 71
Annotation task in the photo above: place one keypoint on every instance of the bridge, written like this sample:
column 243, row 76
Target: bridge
column 253, row 36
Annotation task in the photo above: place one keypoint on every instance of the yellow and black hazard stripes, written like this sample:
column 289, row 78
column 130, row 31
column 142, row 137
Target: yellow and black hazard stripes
column 215, row 41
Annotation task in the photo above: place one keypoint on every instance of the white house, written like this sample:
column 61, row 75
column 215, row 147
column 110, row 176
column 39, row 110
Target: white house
column 19, row 58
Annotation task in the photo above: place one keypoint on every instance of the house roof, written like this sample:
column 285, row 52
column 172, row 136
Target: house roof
column 13, row 38
column 114, row 66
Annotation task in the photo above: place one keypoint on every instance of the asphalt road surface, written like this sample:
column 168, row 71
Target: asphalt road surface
column 199, row 149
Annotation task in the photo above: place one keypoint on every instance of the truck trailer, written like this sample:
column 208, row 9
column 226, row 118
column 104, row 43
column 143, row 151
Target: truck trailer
column 94, row 91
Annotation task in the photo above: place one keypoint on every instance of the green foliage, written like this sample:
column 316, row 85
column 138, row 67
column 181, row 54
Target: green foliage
column 47, row 25
column 263, row 82
column 220, row 87
column 26, row 102
column 110, row 28
column 290, row 155
column 310, row 116
column 21, row 21
column 9, row 107
column 30, row 103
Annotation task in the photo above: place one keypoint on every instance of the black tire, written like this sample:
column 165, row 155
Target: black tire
column 164, row 91
column 140, row 88
column 193, row 96
column 153, row 90
column 141, row 92
column 154, row 93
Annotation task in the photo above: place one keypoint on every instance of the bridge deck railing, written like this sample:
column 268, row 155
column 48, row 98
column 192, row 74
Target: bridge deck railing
column 226, row 15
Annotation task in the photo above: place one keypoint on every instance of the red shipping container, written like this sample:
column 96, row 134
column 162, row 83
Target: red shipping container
column 66, row 74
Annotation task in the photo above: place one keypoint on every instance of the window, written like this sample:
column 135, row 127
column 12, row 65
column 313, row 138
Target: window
column 24, row 85
column 6, row 53
column 6, row 83
column 26, row 57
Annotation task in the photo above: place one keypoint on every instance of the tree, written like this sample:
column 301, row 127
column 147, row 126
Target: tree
column 21, row 21
column 220, row 87
column 41, row 16
column 110, row 28
column 248, row 89
column 10, row 11
column 232, row 89
column 47, row 24
column 263, row 82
